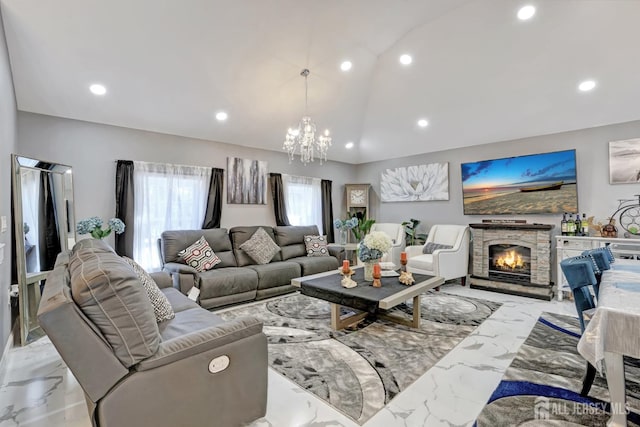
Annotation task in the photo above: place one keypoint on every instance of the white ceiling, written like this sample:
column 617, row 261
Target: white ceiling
column 479, row 74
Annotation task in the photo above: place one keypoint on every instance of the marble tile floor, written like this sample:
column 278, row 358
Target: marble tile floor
column 37, row 389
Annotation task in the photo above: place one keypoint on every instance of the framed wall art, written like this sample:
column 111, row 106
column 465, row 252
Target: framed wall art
column 246, row 181
column 415, row 183
column 624, row 161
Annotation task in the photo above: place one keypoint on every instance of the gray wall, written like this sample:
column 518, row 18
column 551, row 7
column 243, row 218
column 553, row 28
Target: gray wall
column 91, row 149
column 8, row 142
column 595, row 195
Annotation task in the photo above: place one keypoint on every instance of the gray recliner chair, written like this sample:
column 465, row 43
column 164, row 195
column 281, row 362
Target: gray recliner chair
column 193, row 370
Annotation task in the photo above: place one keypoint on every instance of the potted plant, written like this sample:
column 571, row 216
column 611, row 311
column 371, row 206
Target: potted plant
column 412, row 237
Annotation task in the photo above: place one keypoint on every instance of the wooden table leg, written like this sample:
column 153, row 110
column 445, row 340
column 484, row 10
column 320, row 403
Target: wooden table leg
column 416, row 312
column 614, row 366
column 337, row 322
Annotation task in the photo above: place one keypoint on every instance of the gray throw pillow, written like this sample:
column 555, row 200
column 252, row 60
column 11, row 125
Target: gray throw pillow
column 260, row 247
column 430, row 247
column 161, row 307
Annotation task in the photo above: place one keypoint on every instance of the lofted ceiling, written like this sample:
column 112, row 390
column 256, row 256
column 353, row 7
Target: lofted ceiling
column 478, row 75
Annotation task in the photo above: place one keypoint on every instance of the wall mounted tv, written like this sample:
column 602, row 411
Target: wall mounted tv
column 535, row 184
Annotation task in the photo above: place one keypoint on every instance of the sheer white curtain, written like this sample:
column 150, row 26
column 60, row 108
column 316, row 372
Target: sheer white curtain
column 303, row 200
column 167, row 197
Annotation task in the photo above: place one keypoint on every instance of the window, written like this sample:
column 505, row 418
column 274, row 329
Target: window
column 167, row 197
column 303, row 200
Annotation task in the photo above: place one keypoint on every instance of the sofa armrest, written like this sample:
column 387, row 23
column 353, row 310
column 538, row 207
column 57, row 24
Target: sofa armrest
column 413, row 250
column 162, row 279
column 184, row 276
column 201, row 341
column 176, row 267
column 337, row 252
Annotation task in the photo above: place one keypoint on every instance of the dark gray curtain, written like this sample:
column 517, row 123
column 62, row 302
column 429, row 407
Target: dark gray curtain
column 277, row 191
column 49, row 236
column 213, row 214
column 327, row 210
column 124, row 206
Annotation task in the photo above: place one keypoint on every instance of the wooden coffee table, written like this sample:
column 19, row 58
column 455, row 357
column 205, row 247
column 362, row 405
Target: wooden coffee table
column 364, row 297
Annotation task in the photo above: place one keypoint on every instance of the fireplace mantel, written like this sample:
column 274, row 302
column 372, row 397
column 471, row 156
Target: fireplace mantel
column 535, row 237
column 511, row 226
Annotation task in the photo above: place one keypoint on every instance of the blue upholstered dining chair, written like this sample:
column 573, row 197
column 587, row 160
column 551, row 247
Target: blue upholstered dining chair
column 607, row 251
column 580, row 272
column 601, row 259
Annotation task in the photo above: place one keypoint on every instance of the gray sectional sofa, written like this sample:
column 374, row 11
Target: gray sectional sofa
column 238, row 278
column 193, row 370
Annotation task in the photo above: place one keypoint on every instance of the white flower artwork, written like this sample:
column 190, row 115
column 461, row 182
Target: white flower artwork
column 415, row 183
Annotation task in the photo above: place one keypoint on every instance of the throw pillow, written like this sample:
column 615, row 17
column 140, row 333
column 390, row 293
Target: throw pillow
column 430, row 247
column 316, row 245
column 161, row 307
column 200, row 255
column 260, row 247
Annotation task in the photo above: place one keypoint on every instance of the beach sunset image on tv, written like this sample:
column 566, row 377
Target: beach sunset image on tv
column 534, row 184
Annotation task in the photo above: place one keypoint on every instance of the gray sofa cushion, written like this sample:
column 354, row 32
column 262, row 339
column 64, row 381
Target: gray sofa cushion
column 313, row 265
column 115, row 301
column 291, row 239
column 239, row 235
column 173, row 241
column 187, row 321
column 227, row 281
column 178, row 301
column 276, row 273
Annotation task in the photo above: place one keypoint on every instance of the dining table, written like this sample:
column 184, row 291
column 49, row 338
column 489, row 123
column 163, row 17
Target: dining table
column 614, row 331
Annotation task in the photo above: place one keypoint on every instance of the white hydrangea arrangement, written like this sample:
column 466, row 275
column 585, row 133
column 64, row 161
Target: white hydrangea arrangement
column 373, row 246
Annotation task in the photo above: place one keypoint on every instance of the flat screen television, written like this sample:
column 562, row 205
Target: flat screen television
column 535, row 184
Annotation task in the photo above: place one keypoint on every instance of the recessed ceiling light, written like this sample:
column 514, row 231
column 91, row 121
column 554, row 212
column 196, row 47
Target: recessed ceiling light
column 423, row 123
column 221, row 116
column 526, row 12
column 97, row 89
column 349, row 145
column 587, row 85
column 406, row 59
column 346, row 66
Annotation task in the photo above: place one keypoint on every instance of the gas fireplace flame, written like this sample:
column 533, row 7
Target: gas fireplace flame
column 510, row 259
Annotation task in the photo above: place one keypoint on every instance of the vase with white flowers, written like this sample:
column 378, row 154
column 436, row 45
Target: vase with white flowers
column 93, row 226
column 371, row 249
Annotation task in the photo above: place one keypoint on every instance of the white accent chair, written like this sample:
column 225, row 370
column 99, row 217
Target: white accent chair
column 396, row 233
column 447, row 263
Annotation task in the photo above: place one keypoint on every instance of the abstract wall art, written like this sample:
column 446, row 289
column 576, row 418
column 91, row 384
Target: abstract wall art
column 246, row 181
column 624, row 161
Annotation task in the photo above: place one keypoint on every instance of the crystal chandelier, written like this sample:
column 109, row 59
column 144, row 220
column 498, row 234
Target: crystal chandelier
column 304, row 135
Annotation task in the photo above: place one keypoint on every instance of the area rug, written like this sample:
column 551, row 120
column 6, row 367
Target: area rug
column 359, row 370
column 542, row 384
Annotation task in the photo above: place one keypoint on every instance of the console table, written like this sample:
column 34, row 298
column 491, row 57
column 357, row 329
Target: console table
column 570, row 246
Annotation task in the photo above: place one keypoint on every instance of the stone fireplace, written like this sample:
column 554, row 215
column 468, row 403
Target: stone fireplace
column 512, row 258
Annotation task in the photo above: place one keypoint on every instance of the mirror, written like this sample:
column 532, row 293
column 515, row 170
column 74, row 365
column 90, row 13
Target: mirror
column 44, row 226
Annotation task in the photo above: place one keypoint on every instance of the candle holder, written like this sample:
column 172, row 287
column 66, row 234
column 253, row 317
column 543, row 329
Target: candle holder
column 377, row 275
column 403, row 261
column 347, row 281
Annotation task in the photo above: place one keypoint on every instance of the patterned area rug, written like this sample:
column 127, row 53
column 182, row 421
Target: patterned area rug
column 359, row 370
column 542, row 385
